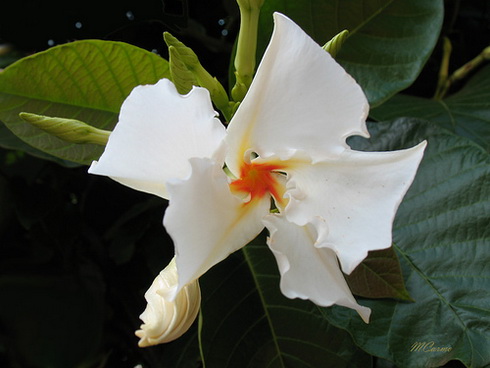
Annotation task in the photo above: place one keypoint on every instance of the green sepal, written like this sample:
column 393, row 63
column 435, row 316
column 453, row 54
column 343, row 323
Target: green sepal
column 335, row 44
column 182, row 77
column 184, row 55
column 70, row 130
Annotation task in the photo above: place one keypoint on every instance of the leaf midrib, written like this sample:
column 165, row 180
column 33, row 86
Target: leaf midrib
column 371, row 17
column 66, row 103
column 264, row 305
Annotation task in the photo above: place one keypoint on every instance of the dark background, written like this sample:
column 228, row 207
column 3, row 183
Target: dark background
column 77, row 252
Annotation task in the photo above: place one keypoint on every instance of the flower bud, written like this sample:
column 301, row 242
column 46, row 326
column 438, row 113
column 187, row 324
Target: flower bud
column 70, row 130
column 335, row 44
column 184, row 63
column 165, row 320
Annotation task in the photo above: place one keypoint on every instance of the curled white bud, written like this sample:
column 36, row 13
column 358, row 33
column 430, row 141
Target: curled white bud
column 165, row 320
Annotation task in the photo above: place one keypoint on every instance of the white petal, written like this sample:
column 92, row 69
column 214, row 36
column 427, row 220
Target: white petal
column 308, row 272
column 165, row 320
column 358, row 197
column 300, row 99
column 206, row 221
column 158, row 131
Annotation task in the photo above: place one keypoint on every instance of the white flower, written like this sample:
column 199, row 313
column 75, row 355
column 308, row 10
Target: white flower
column 166, row 320
column 285, row 142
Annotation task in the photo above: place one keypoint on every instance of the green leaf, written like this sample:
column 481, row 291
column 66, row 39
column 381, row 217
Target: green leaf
column 389, row 40
column 247, row 322
column 183, row 352
column 182, row 77
column 10, row 141
column 442, row 236
column 184, row 60
column 83, row 80
column 379, row 276
column 466, row 113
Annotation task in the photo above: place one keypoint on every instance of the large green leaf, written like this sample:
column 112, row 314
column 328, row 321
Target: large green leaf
column 84, row 80
column 442, row 237
column 466, row 113
column 247, row 322
column 389, row 40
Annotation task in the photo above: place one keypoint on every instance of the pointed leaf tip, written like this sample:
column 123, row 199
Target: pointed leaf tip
column 379, row 276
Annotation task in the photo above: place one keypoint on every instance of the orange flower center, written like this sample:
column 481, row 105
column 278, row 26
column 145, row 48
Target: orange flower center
column 258, row 180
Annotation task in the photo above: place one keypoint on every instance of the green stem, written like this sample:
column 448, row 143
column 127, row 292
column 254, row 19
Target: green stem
column 246, row 47
column 443, row 71
column 459, row 74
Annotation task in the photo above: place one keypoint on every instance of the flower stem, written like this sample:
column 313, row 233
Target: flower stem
column 246, row 47
column 446, row 82
column 443, row 71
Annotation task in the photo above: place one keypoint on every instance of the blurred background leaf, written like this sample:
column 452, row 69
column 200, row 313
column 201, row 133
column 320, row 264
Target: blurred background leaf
column 62, row 318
